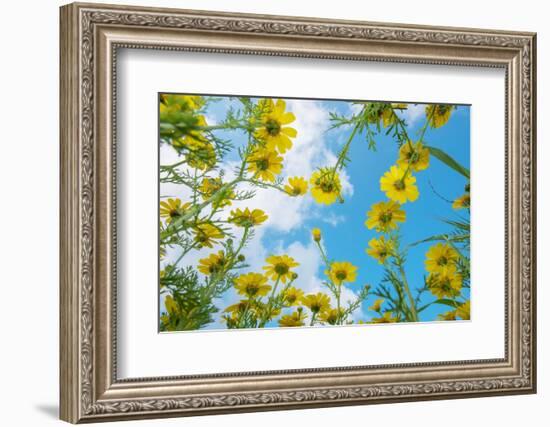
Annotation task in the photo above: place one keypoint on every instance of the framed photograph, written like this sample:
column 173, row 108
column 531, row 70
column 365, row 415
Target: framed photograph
column 266, row 212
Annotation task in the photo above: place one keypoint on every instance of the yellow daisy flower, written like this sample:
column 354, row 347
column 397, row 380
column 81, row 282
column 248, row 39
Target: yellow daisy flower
column 265, row 164
column 272, row 131
column 326, row 186
column 292, row 296
column 209, row 186
column 296, row 186
column 316, row 234
column 399, row 185
column 380, row 249
column 342, row 272
column 446, row 283
column 212, row 264
column 171, row 305
column 388, row 114
column 173, row 208
column 414, row 156
column 316, row 302
column 252, row 285
column 280, row 267
column 183, row 102
column 238, row 307
column 247, row 217
column 449, row 315
column 384, row 216
column 463, row 202
column 207, row 235
column 377, row 305
column 440, row 257
column 294, row 319
column 331, row 315
column 387, row 317
column 438, row 115
column 463, row 311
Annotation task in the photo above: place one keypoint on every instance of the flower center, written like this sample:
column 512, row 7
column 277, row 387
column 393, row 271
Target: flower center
column 273, row 127
column 252, row 289
column 383, row 253
column 341, row 275
column 442, row 260
column 291, row 298
column 413, row 157
column 262, row 164
column 399, row 185
column 327, row 187
column 296, row 191
column 385, row 217
column 174, row 213
column 315, row 307
column 281, row 269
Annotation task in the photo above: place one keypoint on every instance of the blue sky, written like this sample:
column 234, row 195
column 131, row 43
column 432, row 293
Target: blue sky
column 345, row 236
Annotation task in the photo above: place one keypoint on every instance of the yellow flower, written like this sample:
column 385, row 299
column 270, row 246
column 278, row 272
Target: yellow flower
column 384, row 216
column 292, row 296
column 449, row 315
column 380, row 249
column 173, row 208
column 296, row 186
column 238, row 307
column 316, row 302
column 279, row 267
column 272, row 131
column 399, row 185
column 463, row 311
column 388, row 114
column 385, row 318
column 377, row 305
column 331, row 315
column 183, row 102
column 440, row 257
column 265, row 164
column 438, row 115
column 463, row 202
column 413, row 155
column 295, row 319
column 342, row 272
column 206, row 235
column 326, row 186
column 171, row 305
column 247, row 218
column 252, row 285
column 446, row 283
column 210, row 186
column 213, row 263
column 316, row 234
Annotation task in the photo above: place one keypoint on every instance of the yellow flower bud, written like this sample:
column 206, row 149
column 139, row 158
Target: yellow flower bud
column 316, row 233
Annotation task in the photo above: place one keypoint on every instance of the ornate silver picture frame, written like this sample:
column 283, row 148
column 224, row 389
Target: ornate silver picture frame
column 91, row 35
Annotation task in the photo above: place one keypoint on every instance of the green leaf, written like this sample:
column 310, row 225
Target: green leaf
column 449, row 161
column 449, row 302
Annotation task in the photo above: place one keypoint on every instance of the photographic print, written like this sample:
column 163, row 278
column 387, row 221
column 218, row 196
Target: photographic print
column 285, row 212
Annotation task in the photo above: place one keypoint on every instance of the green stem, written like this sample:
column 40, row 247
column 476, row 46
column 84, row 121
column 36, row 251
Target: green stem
column 409, row 294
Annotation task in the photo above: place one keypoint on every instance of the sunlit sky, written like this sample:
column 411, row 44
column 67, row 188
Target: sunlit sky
column 345, row 237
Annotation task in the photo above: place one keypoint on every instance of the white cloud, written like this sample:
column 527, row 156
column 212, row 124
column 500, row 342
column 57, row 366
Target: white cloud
column 413, row 113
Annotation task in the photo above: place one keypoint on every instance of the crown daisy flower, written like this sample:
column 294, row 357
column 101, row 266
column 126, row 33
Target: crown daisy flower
column 296, row 186
column 384, row 216
column 440, row 257
column 414, row 156
column 265, row 164
column 438, row 114
column 279, row 267
column 342, row 272
column 326, row 187
column 380, row 249
column 399, row 185
column 252, row 285
column 273, row 130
